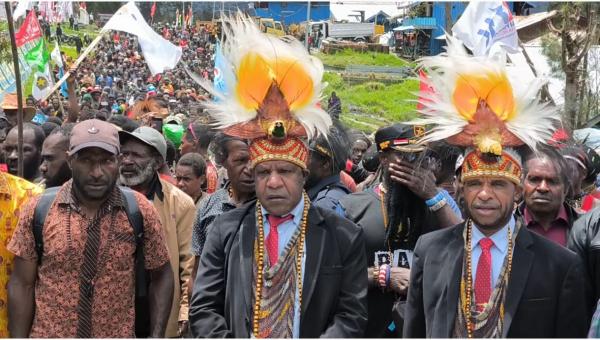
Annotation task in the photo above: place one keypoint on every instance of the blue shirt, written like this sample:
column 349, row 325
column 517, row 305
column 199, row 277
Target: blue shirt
column 498, row 250
column 286, row 230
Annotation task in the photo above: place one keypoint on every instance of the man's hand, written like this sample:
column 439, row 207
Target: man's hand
column 183, row 329
column 399, row 280
column 420, row 181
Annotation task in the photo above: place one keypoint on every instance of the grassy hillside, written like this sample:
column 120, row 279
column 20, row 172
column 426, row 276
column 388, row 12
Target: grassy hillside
column 369, row 105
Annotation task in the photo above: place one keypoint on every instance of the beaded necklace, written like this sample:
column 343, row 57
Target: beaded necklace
column 467, row 291
column 261, row 257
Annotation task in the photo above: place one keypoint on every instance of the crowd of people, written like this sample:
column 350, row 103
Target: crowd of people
column 147, row 209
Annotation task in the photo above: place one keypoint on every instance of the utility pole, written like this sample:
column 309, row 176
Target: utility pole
column 307, row 26
column 15, row 57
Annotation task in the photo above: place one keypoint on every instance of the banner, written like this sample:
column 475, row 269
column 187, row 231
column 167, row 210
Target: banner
column 55, row 55
column 159, row 54
column 221, row 71
column 29, row 31
column 486, row 27
column 38, row 56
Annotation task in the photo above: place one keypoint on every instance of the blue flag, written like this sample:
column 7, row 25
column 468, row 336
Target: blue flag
column 64, row 90
column 222, row 71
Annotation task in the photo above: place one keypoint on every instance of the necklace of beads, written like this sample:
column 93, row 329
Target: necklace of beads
column 469, row 287
column 261, row 257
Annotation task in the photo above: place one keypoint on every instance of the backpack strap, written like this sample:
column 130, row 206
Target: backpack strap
column 137, row 222
column 39, row 218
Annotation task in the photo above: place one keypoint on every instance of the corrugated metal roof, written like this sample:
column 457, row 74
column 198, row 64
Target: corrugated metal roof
column 420, row 23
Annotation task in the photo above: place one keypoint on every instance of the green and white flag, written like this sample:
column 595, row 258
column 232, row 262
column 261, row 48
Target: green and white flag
column 38, row 55
column 42, row 83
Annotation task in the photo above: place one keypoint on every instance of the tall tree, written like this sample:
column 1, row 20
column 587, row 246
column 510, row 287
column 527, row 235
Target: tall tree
column 577, row 26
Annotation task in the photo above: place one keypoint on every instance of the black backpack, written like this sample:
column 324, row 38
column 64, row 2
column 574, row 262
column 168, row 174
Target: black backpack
column 142, row 317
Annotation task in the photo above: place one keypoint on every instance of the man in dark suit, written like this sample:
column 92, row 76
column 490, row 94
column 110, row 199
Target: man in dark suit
column 508, row 281
column 311, row 281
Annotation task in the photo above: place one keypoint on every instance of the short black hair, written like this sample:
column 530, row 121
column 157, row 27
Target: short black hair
column 38, row 133
column 218, row 147
column 203, row 132
column 195, row 161
column 555, row 157
column 123, row 122
column 55, row 119
column 171, row 152
column 48, row 127
column 64, row 130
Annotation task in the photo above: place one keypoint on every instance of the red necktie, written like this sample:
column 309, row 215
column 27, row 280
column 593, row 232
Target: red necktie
column 272, row 241
column 483, row 276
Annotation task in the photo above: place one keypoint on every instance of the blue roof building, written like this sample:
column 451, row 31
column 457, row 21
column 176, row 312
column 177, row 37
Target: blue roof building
column 292, row 12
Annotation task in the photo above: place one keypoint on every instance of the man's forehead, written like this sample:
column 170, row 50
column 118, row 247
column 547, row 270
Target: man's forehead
column 276, row 165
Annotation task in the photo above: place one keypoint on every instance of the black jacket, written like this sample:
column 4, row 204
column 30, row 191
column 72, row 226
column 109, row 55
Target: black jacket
column 335, row 279
column 546, row 296
column 584, row 239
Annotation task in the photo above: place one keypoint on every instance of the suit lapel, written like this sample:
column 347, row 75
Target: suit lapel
column 247, row 233
column 315, row 243
column 521, row 264
column 454, row 261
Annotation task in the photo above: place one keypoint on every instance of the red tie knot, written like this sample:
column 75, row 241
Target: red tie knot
column 275, row 221
column 486, row 243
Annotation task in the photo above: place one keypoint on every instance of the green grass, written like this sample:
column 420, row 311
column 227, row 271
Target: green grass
column 370, row 105
column 350, row 57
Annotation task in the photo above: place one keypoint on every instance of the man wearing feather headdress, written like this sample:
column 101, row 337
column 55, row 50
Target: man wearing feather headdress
column 278, row 266
column 488, row 276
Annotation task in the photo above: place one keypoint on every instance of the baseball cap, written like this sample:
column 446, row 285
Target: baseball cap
column 94, row 133
column 400, row 137
column 148, row 136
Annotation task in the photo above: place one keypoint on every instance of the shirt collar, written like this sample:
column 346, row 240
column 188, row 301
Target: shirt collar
column 499, row 238
column 562, row 215
column 296, row 212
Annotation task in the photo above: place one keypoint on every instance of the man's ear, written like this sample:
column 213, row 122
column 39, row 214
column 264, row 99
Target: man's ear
column 518, row 193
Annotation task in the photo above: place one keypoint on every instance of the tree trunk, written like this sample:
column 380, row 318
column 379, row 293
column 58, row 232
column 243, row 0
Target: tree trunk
column 570, row 109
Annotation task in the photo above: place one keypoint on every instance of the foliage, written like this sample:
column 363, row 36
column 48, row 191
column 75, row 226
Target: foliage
column 350, row 57
column 5, row 49
column 551, row 48
column 419, row 10
column 103, row 7
column 370, row 105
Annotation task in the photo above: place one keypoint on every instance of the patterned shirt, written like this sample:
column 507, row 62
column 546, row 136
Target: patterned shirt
column 210, row 207
column 57, row 286
column 14, row 193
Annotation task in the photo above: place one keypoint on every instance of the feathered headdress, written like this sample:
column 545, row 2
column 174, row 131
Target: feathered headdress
column 275, row 85
column 474, row 105
column 274, row 90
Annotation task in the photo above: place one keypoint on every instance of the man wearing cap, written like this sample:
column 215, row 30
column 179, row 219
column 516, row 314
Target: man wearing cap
column 393, row 215
column 143, row 153
column 83, row 285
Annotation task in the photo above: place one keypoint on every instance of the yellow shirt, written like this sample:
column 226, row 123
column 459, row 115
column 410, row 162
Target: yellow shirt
column 14, row 192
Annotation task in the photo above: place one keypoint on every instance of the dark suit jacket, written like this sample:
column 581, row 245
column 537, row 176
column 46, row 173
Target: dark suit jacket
column 335, row 279
column 546, row 294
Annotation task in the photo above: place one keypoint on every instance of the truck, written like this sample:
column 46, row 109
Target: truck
column 270, row 26
column 358, row 31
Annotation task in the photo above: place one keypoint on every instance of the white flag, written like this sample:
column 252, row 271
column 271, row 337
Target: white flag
column 22, row 7
column 42, row 83
column 55, row 55
column 485, row 27
column 160, row 54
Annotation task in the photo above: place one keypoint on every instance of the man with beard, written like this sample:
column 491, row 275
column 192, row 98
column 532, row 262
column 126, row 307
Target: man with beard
column 33, row 138
column 83, row 283
column 326, row 160
column 143, row 153
column 393, row 215
column 55, row 166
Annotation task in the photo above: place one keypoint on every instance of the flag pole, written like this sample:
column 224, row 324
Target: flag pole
column 15, row 57
column 75, row 64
